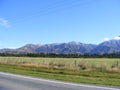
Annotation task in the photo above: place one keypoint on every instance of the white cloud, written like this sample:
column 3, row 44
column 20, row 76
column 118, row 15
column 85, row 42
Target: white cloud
column 106, row 39
column 117, row 38
column 3, row 22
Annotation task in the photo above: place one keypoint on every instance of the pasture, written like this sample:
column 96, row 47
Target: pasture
column 110, row 64
column 103, row 71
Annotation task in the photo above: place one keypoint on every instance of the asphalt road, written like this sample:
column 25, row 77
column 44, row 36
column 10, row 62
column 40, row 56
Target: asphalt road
column 19, row 82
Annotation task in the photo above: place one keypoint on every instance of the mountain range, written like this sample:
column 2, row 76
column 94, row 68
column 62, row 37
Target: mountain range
column 111, row 46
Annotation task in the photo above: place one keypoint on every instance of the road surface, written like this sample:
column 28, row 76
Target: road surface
column 19, row 82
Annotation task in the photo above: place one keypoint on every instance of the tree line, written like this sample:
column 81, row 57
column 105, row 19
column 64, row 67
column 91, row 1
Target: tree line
column 53, row 55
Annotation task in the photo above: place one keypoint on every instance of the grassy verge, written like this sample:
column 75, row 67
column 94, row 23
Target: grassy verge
column 79, row 76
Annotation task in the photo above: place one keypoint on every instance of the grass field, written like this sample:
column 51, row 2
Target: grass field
column 83, row 70
column 67, row 63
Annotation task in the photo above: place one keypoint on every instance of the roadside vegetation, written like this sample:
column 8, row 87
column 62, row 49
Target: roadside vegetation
column 104, row 71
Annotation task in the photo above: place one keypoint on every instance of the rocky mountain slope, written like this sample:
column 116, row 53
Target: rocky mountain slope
column 111, row 46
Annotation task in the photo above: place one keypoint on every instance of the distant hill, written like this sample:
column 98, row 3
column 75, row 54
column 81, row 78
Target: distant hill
column 111, row 46
column 66, row 48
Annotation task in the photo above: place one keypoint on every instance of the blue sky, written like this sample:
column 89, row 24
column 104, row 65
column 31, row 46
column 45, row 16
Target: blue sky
column 56, row 21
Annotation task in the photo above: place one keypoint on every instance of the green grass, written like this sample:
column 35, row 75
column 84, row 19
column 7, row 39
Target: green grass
column 82, row 70
column 67, row 61
column 93, row 77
